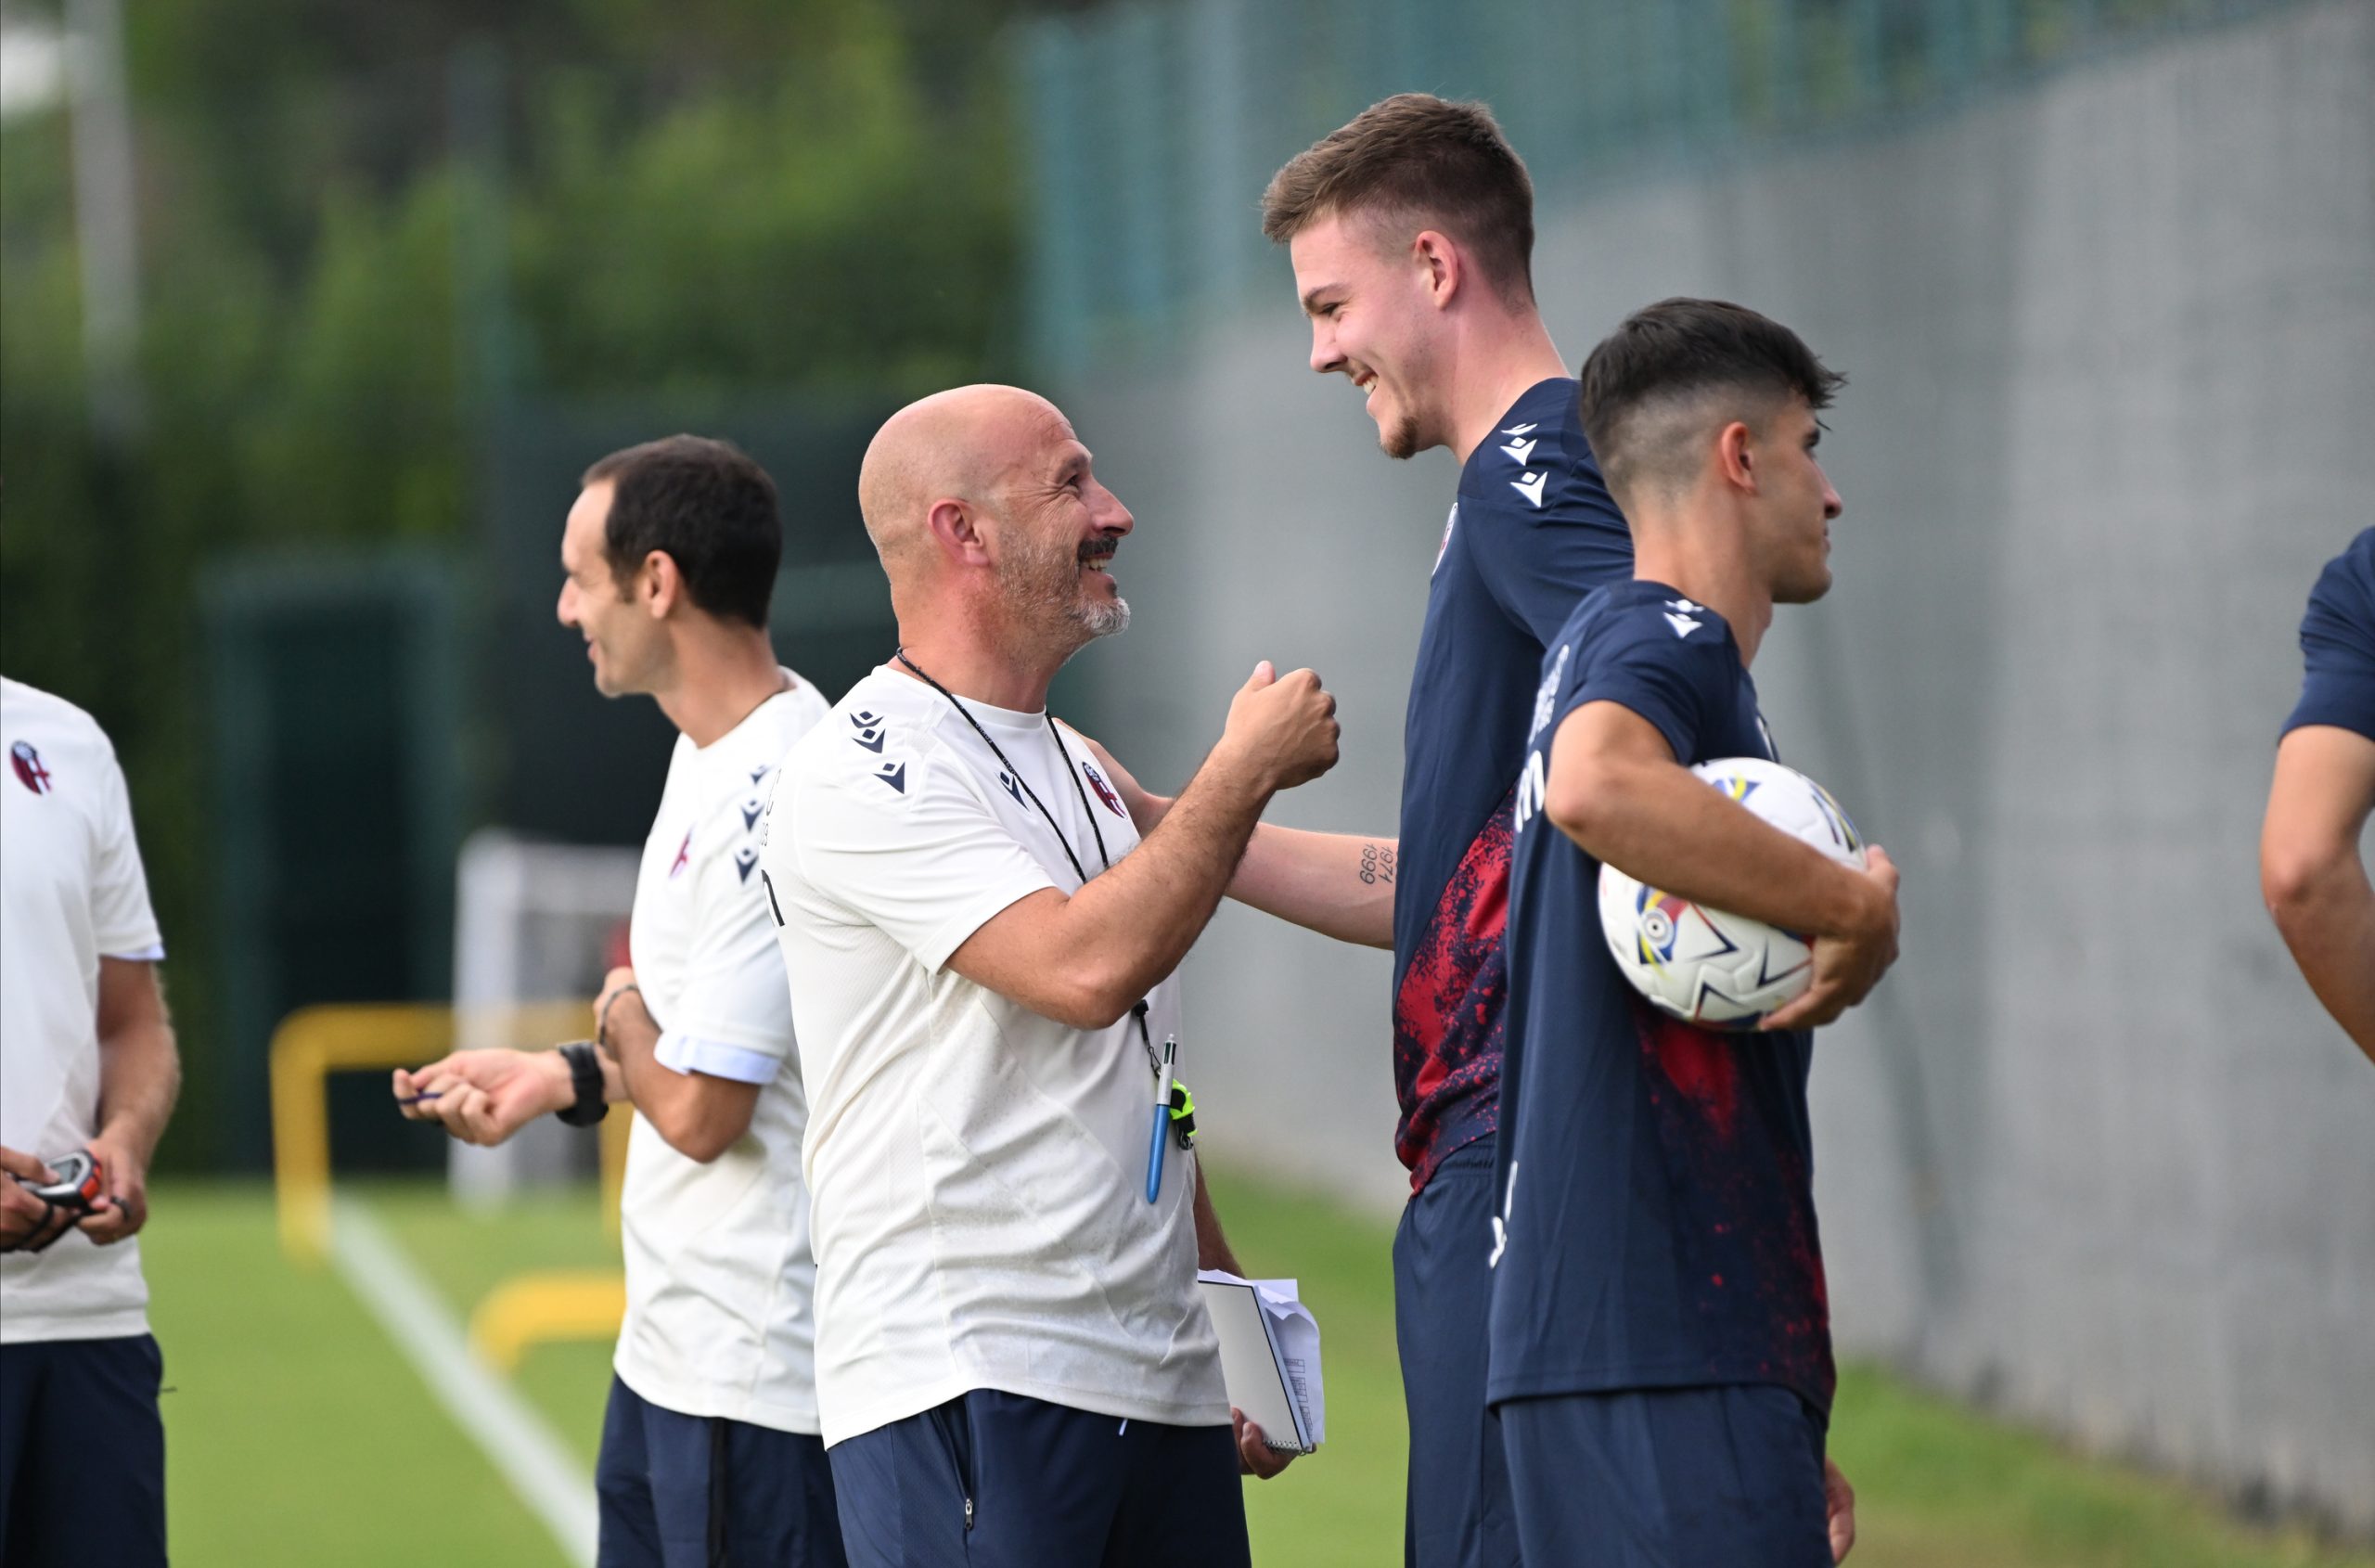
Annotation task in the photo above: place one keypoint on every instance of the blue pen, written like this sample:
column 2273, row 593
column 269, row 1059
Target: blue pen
column 1161, row 1119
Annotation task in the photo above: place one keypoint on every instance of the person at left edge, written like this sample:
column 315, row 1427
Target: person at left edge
column 86, row 1061
column 710, row 1453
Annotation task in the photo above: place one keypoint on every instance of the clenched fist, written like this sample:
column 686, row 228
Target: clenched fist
column 1284, row 726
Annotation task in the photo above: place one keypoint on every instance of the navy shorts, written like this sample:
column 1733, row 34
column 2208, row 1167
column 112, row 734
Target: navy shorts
column 82, row 1453
column 680, row 1491
column 1455, row 1509
column 1670, row 1478
column 993, row 1480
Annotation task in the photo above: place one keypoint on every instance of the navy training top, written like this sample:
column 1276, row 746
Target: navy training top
column 1658, row 1178
column 1532, row 532
column 2338, row 644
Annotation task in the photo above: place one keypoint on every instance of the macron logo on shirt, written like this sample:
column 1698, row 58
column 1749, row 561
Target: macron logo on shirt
column 870, row 733
column 895, row 775
column 1520, row 450
column 1678, row 616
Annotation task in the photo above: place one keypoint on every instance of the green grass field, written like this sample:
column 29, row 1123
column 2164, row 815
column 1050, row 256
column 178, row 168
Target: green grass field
column 297, row 1434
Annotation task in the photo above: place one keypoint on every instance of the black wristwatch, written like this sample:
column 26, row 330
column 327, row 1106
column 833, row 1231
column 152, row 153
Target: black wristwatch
column 585, row 1077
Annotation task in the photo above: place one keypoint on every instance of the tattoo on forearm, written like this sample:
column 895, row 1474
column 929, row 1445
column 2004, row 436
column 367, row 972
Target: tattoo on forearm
column 1376, row 863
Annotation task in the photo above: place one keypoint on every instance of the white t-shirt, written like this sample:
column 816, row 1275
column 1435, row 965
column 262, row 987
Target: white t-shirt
column 979, row 1170
column 70, row 892
column 719, row 1280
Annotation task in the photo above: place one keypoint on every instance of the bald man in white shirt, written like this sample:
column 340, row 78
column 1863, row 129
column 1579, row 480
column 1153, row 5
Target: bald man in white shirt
column 1014, row 1368
column 88, row 1063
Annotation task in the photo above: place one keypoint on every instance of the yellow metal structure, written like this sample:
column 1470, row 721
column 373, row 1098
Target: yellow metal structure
column 561, row 1303
column 312, row 1043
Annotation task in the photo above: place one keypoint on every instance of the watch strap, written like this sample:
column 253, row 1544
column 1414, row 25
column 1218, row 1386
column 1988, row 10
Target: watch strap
column 585, row 1077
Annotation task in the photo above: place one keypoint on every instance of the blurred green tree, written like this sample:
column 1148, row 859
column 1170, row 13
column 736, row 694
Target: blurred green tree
column 695, row 203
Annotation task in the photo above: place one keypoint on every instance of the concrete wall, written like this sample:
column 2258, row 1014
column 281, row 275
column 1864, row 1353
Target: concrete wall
column 2093, row 1154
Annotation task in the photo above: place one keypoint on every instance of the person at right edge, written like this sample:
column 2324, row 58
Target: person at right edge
column 2310, row 872
column 1661, row 1342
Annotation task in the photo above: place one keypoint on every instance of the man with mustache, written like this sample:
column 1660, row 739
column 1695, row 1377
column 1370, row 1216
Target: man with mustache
column 1013, row 1366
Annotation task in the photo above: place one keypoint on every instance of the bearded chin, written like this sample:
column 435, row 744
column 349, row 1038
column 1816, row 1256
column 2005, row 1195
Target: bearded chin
column 1402, row 439
column 1103, row 620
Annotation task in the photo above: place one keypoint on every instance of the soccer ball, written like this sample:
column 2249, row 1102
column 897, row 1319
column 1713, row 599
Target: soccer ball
column 1715, row 970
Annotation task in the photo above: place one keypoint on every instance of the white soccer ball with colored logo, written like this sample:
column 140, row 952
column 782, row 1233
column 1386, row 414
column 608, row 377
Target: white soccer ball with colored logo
column 1715, row 970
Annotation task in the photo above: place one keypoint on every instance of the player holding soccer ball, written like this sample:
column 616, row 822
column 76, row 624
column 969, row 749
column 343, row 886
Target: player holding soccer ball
column 1661, row 1344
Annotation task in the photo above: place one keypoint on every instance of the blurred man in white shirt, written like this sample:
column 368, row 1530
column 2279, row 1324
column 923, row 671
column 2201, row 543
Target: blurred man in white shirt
column 87, row 1065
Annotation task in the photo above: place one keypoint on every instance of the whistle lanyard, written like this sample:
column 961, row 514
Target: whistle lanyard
column 1137, row 1009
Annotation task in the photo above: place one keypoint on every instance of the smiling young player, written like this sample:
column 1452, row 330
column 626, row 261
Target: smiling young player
column 1661, row 1341
column 1411, row 231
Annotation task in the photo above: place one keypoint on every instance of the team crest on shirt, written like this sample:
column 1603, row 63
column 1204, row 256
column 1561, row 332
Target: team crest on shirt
column 30, row 771
column 1104, row 790
column 683, row 856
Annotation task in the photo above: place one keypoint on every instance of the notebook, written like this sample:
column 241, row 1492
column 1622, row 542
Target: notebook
column 1269, row 1356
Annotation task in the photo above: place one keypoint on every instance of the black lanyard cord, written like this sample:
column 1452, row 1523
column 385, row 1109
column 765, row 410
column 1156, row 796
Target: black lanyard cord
column 1146, row 1035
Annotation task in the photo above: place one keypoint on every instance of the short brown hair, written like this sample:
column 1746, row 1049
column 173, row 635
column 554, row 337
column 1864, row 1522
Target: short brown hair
column 709, row 507
column 1445, row 165
column 1642, row 375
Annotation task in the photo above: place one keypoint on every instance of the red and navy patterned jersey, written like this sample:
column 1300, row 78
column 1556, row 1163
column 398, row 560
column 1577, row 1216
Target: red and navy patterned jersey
column 1532, row 533
column 1656, row 1178
column 2338, row 644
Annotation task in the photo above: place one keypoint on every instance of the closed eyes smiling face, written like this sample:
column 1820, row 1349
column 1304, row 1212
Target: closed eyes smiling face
column 1368, row 325
column 1061, row 554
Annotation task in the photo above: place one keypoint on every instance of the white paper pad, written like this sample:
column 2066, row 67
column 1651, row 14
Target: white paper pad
column 1269, row 1356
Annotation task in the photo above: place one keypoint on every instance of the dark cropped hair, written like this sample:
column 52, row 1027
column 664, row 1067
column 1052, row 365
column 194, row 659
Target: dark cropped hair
column 1436, row 163
column 709, row 507
column 1668, row 353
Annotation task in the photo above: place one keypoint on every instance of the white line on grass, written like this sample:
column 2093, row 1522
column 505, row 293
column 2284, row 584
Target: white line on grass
column 513, row 1436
